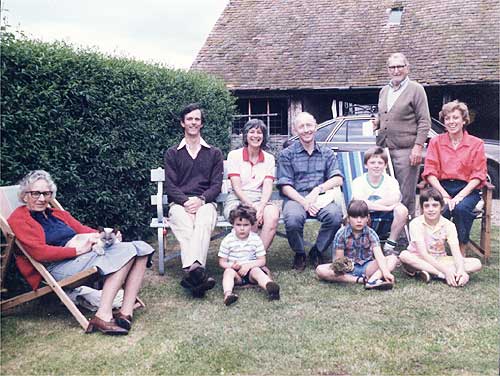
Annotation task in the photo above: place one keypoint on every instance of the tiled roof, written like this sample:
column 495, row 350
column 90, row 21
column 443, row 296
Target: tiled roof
column 321, row 44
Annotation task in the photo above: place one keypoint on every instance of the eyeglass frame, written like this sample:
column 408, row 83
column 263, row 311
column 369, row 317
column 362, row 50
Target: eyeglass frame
column 394, row 67
column 36, row 194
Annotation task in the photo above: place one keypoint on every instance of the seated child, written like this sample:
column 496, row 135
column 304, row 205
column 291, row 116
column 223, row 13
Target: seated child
column 383, row 197
column 242, row 256
column 426, row 254
column 360, row 244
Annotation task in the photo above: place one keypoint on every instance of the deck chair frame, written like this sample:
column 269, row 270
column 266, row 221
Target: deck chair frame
column 12, row 245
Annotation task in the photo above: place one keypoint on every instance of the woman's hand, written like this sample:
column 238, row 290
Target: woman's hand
column 85, row 247
column 259, row 207
column 452, row 202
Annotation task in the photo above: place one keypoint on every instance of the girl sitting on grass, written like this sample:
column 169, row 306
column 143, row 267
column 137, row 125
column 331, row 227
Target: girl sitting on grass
column 426, row 255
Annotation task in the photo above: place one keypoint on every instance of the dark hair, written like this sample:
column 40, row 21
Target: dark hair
column 244, row 212
column 258, row 124
column 376, row 150
column 357, row 208
column 189, row 108
column 428, row 193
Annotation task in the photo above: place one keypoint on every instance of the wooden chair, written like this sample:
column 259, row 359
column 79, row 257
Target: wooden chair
column 11, row 246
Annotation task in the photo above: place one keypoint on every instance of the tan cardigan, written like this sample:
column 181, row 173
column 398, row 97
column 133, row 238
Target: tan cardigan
column 408, row 122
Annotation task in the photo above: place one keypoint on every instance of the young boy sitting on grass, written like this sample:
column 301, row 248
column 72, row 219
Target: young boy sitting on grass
column 358, row 256
column 242, row 256
column 426, row 254
column 383, row 197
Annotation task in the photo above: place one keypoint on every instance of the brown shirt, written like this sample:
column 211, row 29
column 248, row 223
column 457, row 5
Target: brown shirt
column 408, row 122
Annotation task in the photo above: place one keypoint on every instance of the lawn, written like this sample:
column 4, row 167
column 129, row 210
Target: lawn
column 316, row 328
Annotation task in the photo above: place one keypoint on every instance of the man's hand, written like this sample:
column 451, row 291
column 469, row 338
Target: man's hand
column 192, row 205
column 461, row 278
column 310, row 202
column 416, row 155
column 450, row 278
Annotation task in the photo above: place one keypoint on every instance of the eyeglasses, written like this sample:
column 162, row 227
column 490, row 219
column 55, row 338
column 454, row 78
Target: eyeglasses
column 394, row 67
column 36, row 194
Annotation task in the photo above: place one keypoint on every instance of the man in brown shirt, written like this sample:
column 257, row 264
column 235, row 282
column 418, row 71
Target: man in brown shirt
column 193, row 179
column 403, row 124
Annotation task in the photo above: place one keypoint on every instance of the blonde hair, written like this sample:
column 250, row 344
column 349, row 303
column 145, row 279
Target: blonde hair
column 452, row 106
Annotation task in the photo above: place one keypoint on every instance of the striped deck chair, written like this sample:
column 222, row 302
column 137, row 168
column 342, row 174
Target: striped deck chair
column 352, row 165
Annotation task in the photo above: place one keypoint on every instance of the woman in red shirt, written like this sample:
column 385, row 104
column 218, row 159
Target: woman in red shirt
column 46, row 233
column 455, row 165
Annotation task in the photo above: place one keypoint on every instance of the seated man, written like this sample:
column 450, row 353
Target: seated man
column 305, row 171
column 193, row 179
column 383, row 197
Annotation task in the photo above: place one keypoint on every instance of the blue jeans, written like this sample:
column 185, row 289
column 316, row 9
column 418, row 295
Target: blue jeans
column 381, row 222
column 295, row 217
column 463, row 214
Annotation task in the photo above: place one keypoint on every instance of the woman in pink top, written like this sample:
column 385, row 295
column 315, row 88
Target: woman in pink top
column 251, row 171
column 455, row 165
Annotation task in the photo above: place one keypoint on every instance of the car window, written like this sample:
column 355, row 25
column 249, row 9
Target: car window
column 356, row 133
column 323, row 133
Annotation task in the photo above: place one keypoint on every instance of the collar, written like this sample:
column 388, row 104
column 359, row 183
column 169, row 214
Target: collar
column 466, row 140
column 438, row 225
column 299, row 148
column 202, row 143
column 35, row 214
column 246, row 156
column 401, row 85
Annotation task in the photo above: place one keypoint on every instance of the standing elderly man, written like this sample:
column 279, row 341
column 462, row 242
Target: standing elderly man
column 403, row 124
column 193, row 179
column 305, row 171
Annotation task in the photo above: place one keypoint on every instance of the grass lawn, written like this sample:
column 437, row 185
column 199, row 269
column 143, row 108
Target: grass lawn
column 315, row 329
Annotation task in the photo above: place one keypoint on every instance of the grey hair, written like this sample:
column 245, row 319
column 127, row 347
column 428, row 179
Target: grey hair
column 258, row 124
column 32, row 177
column 397, row 55
column 304, row 117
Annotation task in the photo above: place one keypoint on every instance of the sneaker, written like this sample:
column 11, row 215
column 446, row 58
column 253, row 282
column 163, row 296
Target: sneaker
column 409, row 270
column 299, row 262
column 423, row 276
column 378, row 284
column 273, row 290
column 230, row 299
column 314, row 257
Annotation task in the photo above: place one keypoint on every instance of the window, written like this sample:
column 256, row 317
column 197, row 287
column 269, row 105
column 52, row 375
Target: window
column 395, row 15
column 352, row 131
column 272, row 111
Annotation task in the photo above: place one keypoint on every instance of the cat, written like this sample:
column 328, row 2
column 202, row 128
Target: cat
column 107, row 237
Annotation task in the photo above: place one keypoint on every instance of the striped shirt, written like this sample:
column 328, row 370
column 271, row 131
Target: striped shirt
column 242, row 251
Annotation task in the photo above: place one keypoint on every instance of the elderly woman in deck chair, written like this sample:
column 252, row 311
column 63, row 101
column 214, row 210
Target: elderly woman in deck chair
column 55, row 238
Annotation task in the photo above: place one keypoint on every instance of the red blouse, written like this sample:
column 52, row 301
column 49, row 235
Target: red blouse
column 465, row 163
column 31, row 235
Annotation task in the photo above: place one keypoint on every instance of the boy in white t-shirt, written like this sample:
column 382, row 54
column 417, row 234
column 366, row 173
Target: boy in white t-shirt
column 242, row 256
column 382, row 194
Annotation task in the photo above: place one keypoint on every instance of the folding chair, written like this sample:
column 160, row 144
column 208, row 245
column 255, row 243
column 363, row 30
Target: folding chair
column 8, row 203
column 483, row 212
column 352, row 165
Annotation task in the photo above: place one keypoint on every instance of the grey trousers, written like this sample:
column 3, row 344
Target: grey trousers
column 407, row 177
column 295, row 217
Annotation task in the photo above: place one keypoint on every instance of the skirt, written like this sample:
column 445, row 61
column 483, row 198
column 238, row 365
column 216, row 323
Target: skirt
column 114, row 258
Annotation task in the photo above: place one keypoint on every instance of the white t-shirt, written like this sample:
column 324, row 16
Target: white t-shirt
column 388, row 188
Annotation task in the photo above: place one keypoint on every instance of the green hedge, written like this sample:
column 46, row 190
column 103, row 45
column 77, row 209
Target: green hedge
column 98, row 125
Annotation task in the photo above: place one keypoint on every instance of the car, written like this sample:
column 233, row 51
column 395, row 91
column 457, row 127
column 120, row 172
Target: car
column 354, row 132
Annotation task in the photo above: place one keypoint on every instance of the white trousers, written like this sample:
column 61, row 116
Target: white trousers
column 193, row 232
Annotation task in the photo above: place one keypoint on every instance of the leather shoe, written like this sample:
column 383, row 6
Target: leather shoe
column 299, row 262
column 106, row 327
column 125, row 321
column 199, row 291
column 314, row 257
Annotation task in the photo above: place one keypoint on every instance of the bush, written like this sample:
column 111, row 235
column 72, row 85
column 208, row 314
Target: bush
column 98, row 125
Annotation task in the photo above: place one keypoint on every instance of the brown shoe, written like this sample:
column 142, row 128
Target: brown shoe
column 230, row 299
column 125, row 321
column 106, row 327
column 299, row 262
column 273, row 290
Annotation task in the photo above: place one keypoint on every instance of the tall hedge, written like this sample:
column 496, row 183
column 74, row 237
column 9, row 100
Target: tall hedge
column 98, row 125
